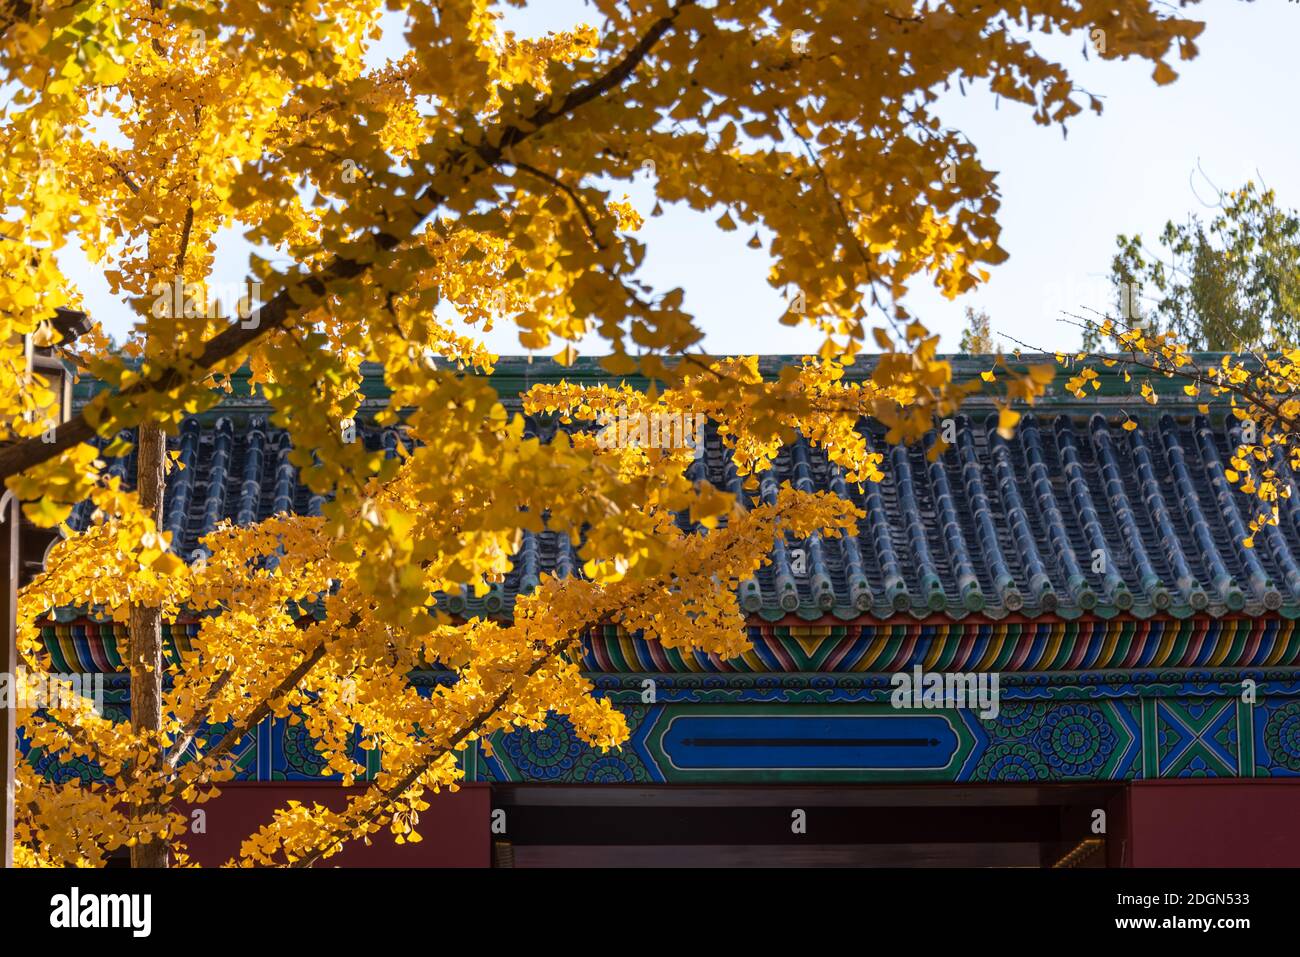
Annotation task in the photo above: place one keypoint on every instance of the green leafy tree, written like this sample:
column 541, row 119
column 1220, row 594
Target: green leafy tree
column 977, row 337
column 1232, row 283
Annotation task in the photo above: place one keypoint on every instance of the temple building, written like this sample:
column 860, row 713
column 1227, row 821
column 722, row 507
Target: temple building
column 1052, row 650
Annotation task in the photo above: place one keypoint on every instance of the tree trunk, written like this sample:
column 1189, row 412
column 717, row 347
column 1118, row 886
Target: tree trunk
column 146, row 634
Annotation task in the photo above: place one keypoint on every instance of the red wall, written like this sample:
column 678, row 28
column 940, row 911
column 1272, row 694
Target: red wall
column 1209, row 823
column 455, row 827
column 1171, row 823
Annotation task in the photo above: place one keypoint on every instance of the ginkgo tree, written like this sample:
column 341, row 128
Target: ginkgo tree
column 394, row 207
column 1259, row 388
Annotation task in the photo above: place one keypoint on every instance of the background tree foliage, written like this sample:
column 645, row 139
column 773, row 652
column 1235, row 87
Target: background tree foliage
column 977, row 337
column 476, row 175
column 1232, row 283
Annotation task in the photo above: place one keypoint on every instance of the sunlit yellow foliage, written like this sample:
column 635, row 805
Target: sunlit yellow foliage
column 475, row 176
column 1259, row 390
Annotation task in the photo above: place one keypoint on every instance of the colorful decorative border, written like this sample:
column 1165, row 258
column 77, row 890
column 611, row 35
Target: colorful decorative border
column 1046, row 740
column 843, row 729
column 1079, row 701
column 1082, row 645
column 1031, row 646
column 85, row 646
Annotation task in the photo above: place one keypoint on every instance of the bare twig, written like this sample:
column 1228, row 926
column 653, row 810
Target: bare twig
column 569, row 191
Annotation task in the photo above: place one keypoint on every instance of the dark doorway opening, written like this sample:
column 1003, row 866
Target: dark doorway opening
column 809, row 826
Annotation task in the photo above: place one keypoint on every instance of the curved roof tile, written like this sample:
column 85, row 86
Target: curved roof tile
column 1083, row 517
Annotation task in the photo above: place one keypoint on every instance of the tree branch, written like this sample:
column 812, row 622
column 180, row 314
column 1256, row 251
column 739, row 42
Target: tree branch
column 262, row 711
column 229, row 343
column 200, row 718
column 404, row 784
column 569, row 191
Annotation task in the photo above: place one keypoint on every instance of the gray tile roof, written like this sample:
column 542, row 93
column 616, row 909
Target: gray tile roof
column 1074, row 515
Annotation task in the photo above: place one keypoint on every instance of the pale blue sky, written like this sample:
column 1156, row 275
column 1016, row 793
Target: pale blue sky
column 1232, row 111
